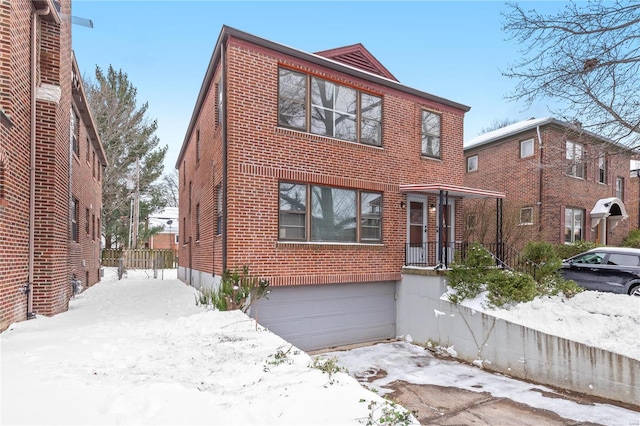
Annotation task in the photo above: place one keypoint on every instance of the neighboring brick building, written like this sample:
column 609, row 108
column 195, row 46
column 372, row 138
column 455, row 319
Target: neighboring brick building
column 317, row 171
column 49, row 213
column 562, row 184
column 168, row 237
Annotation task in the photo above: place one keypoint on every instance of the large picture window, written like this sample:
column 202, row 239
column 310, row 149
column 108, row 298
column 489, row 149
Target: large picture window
column 430, row 134
column 573, row 225
column 321, row 213
column 337, row 111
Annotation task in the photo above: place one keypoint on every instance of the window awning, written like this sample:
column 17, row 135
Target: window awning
column 611, row 208
column 452, row 190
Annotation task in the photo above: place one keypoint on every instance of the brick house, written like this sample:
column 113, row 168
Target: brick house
column 324, row 175
column 168, row 237
column 51, row 162
column 562, row 183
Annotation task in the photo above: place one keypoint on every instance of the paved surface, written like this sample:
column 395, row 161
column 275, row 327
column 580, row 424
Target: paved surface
column 438, row 405
column 446, row 404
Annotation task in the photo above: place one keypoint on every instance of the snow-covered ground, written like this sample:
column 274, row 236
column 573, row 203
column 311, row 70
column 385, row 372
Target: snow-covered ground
column 602, row 320
column 139, row 351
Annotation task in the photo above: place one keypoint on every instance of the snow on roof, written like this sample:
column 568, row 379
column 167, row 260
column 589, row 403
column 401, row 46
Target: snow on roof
column 511, row 129
column 162, row 217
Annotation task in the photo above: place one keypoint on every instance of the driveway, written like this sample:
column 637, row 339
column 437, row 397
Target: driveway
column 443, row 391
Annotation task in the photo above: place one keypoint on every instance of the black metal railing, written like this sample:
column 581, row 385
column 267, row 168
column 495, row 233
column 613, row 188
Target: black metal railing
column 434, row 255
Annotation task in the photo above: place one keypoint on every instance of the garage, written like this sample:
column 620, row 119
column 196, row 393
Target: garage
column 323, row 316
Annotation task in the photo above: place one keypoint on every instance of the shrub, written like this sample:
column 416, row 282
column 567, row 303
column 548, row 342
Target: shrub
column 468, row 278
column 565, row 251
column 507, row 287
column 633, row 239
column 237, row 290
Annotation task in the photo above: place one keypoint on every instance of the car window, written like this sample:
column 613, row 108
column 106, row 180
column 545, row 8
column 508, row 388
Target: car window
column 590, row 258
column 623, row 259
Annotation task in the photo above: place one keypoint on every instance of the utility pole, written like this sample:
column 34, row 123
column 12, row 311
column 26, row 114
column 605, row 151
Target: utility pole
column 136, row 206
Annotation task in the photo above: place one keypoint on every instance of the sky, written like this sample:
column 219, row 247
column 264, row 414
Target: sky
column 139, row 351
column 451, row 49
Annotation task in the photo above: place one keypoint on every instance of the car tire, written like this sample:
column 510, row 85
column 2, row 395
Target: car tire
column 635, row 290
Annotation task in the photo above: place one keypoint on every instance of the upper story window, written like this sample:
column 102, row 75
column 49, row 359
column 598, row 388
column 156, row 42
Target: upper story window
column 602, row 169
column 88, row 149
column 320, row 213
column 472, row 163
column 430, row 134
column 337, row 111
column 526, row 148
column 574, row 154
column 620, row 188
column 74, row 132
column 198, row 146
column 219, row 103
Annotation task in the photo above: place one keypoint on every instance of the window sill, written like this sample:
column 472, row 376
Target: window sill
column 427, row 157
column 321, row 138
column 326, row 244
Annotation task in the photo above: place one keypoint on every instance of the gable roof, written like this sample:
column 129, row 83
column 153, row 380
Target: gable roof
column 357, row 56
column 328, row 63
column 532, row 123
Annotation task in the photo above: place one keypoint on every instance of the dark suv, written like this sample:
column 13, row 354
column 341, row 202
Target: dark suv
column 612, row 269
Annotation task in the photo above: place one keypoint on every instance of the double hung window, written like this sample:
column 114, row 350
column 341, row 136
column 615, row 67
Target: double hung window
column 430, row 134
column 573, row 225
column 472, row 163
column 526, row 148
column 574, row 153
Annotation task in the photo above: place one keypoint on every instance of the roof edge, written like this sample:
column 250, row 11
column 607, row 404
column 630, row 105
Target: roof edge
column 227, row 32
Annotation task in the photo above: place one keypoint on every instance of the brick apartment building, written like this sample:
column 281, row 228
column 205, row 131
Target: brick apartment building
column 324, row 175
column 51, row 162
column 562, row 184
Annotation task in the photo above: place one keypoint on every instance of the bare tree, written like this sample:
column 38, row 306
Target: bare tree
column 169, row 183
column 586, row 58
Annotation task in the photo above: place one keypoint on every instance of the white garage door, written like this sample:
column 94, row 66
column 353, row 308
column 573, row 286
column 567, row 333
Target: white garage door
column 323, row 316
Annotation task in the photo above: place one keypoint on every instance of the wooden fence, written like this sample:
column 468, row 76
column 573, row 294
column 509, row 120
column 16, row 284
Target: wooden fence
column 140, row 259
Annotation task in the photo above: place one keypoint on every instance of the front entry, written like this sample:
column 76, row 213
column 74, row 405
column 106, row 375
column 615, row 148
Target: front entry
column 416, row 230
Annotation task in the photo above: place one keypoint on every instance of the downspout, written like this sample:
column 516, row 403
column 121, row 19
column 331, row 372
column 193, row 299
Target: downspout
column 32, row 165
column 223, row 121
column 214, row 219
column 540, row 180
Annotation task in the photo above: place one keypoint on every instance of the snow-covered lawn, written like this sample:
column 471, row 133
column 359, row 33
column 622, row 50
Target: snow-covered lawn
column 602, row 320
column 139, row 351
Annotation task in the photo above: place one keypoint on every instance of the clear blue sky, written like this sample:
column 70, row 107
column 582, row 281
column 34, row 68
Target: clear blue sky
column 452, row 49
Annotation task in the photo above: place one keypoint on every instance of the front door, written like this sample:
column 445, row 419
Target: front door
column 416, row 231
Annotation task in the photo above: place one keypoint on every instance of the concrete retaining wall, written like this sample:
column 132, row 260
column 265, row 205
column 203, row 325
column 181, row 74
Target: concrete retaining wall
column 510, row 348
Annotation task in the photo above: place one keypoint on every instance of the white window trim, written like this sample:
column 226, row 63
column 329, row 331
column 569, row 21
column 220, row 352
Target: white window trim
column 522, row 144
column 469, row 169
column 520, row 218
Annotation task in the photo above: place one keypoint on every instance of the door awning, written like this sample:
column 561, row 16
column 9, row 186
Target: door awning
column 611, row 208
column 452, row 190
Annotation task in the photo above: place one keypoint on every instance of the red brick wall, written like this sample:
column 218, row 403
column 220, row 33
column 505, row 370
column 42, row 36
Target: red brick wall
column 500, row 168
column 56, row 258
column 260, row 154
column 14, row 143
